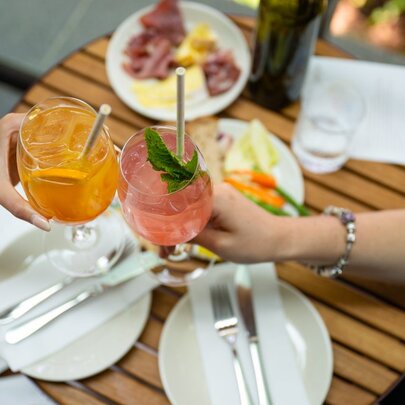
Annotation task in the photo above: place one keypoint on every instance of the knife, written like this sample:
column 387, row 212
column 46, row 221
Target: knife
column 245, row 300
column 123, row 272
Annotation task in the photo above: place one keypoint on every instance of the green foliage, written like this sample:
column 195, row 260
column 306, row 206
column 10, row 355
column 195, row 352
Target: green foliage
column 176, row 173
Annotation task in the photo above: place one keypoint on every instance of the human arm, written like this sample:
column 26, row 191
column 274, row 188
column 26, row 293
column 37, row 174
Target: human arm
column 242, row 232
column 9, row 198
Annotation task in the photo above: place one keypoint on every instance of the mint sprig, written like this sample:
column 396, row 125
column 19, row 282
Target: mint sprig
column 176, row 173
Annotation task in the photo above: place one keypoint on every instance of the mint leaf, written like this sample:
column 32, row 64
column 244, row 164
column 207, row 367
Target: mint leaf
column 161, row 158
column 191, row 166
column 176, row 172
column 173, row 184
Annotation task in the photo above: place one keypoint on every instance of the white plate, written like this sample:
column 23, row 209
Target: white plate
column 287, row 171
column 229, row 37
column 95, row 351
column 181, row 367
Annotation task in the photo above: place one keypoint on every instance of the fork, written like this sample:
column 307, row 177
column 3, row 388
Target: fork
column 19, row 309
column 226, row 324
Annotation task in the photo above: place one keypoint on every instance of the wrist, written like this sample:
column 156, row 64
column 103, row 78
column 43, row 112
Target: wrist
column 277, row 244
column 311, row 240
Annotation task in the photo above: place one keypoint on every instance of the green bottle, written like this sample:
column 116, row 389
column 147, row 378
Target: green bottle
column 286, row 31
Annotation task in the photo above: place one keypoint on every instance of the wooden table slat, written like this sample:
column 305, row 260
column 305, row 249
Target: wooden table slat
column 391, row 292
column 151, row 334
column 87, row 66
column 344, row 393
column 68, row 83
column 143, row 365
column 364, row 372
column 319, row 197
column 66, row 395
column 360, row 189
column 123, row 389
column 358, row 305
column 362, row 338
column 162, row 304
column 98, row 48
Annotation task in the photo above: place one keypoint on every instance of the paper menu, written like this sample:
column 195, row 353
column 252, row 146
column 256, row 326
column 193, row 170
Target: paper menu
column 381, row 134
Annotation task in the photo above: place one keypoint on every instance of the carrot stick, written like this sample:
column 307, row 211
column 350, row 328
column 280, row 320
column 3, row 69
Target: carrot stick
column 270, row 208
column 267, row 180
column 263, row 179
column 257, row 192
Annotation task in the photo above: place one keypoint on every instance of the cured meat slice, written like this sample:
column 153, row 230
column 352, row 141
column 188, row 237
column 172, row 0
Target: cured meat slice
column 166, row 19
column 220, row 71
column 151, row 56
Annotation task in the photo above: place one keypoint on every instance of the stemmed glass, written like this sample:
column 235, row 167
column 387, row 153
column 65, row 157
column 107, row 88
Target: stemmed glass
column 162, row 218
column 71, row 190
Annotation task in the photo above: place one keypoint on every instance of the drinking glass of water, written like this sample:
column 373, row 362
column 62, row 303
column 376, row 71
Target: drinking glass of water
column 330, row 116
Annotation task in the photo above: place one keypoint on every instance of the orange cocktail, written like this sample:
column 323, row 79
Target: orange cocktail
column 59, row 184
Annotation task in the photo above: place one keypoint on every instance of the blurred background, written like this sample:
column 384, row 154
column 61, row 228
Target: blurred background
column 37, row 34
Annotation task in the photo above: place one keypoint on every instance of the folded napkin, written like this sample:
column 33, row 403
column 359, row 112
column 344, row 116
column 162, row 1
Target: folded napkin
column 18, row 389
column 74, row 323
column 282, row 372
column 381, row 134
column 11, row 227
column 3, row 365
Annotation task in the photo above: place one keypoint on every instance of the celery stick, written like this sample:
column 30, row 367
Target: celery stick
column 301, row 209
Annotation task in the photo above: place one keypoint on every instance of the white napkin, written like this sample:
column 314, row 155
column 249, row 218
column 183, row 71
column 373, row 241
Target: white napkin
column 381, row 134
column 3, row 365
column 18, row 389
column 10, row 229
column 283, row 376
column 10, row 226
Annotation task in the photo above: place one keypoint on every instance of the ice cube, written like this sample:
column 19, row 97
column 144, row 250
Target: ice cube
column 79, row 132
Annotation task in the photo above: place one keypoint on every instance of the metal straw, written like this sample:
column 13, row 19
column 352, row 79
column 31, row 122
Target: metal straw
column 103, row 113
column 180, row 72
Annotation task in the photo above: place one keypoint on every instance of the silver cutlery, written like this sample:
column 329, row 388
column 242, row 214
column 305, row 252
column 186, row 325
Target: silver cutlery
column 226, row 324
column 122, row 273
column 245, row 300
column 19, row 309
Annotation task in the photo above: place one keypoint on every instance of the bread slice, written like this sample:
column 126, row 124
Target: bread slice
column 204, row 132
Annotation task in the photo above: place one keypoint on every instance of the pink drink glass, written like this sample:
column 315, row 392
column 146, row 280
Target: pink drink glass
column 165, row 219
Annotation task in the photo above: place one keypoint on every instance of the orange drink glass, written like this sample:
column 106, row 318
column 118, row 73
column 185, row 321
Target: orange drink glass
column 70, row 189
column 162, row 218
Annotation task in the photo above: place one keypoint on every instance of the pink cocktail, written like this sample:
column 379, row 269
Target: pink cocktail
column 165, row 219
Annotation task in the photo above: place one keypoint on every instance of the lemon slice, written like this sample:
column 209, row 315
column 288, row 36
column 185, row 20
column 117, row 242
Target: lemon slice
column 60, row 175
column 202, row 253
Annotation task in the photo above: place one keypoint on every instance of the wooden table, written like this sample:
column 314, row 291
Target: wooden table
column 365, row 319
